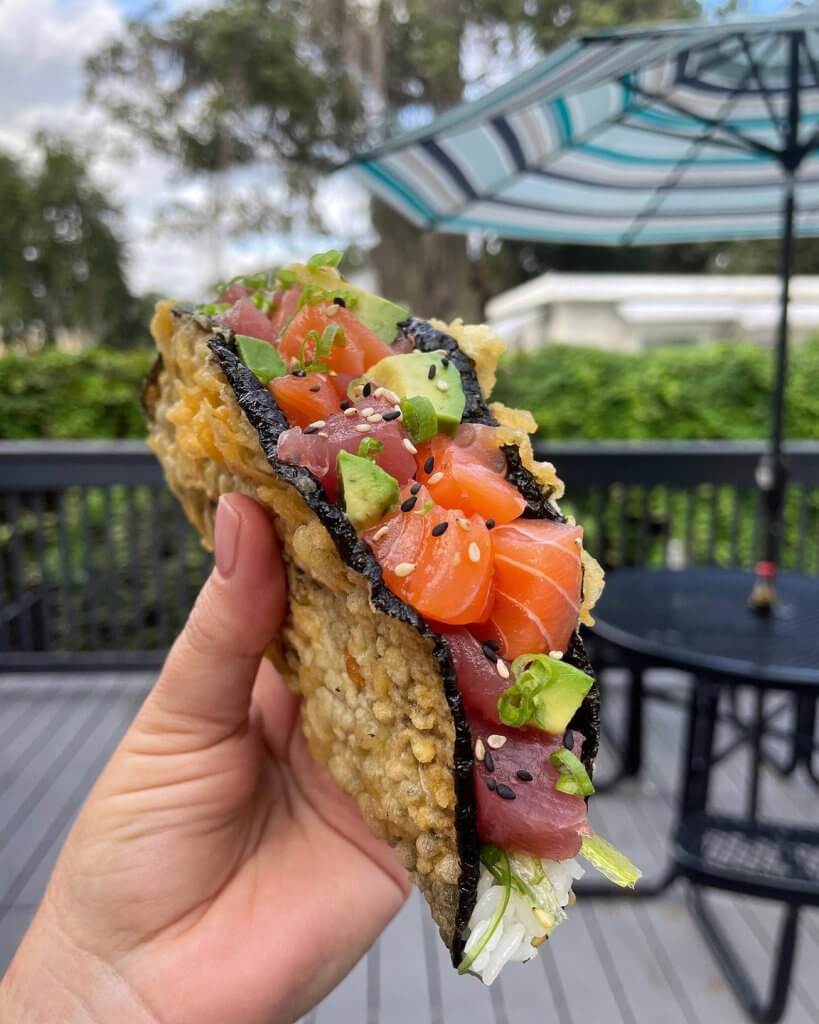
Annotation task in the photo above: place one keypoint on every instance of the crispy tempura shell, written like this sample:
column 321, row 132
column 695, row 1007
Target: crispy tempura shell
column 381, row 708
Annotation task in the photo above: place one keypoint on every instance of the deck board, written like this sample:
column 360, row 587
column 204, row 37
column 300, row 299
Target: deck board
column 618, row 961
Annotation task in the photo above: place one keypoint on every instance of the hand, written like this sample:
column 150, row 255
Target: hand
column 215, row 873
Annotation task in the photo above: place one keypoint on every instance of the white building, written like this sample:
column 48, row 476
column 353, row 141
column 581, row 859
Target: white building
column 630, row 312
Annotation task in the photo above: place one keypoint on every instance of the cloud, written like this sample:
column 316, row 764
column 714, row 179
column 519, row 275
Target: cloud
column 43, row 46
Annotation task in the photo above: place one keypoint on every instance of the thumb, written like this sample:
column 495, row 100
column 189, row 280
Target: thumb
column 206, row 683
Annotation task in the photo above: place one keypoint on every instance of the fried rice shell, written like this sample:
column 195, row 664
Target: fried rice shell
column 381, row 708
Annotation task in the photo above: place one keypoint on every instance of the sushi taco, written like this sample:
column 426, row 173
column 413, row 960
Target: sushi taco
column 435, row 589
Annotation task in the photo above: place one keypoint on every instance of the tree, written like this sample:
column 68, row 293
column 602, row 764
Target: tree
column 302, row 87
column 61, row 259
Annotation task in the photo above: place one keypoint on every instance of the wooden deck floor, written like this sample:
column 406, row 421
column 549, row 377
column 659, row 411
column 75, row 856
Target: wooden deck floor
column 612, row 962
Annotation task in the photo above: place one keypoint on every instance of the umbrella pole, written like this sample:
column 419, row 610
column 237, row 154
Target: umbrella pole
column 771, row 474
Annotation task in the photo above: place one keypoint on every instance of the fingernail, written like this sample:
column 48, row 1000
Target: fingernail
column 226, row 536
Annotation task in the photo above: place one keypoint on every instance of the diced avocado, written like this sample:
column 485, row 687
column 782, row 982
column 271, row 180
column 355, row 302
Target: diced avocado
column 546, row 693
column 260, row 357
column 425, row 374
column 368, row 492
column 562, row 696
column 380, row 315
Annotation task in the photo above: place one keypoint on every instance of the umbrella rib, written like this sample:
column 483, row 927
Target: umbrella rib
column 747, row 143
column 711, row 125
column 749, row 56
column 811, row 143
column 811, row 59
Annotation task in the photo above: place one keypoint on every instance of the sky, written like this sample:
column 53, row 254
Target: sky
column 45, row 42
column 46, row 92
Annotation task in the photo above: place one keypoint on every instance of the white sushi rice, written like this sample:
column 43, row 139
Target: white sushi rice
column 522, row 920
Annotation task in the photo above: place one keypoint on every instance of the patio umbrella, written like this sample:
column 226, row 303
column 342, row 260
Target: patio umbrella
column 680, row 133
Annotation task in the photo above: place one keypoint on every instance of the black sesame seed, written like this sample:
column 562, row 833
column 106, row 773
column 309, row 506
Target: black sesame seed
column 409, row 504
column 340, row 302
column 568, row 739
column 315, row 387
column 367, row 390
column 311, row 430
column 489, row 761
column 432, row 371
column 444, row 362
column 490, row 524
column 429, row 465
column 491, row 784
column 415, row 488
column 440, row 529
column 490, row 652
column 345, row 404
column 506, row 792
column 491, row 643
column 523, row 775
column 393, row 414
column 299, row 373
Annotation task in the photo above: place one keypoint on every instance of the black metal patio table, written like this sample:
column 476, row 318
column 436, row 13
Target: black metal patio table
column 697, row 620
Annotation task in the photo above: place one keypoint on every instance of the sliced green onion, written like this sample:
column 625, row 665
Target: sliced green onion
column 502, row 873
column 260, row 357
column 420, row 420
column 286, row 278
column 213, row 308
column 609, row 861
column 332, row 336
column 262, row 301
column 331, row 258
column 571, row 768
column 545, row 694
column 368, row 448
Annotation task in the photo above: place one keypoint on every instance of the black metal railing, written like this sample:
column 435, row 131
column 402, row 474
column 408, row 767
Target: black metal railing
column 98, row 566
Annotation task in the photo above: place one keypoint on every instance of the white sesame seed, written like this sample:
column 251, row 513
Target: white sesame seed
column 474, row 552
column 409, row 446
column 382, row 532
column 390, row 396
column 503, row 670
column 368, row 411
column 322, row 433
column 317, row 425
column 480, row 751
column 435, row 478
column 579, row 541
column 332, row 373
column 556, row 654
column 375, row 418
column 464, row 524
column 441, row 385
column 362, row 428
column 404, row 568
column 352, row 411
column 332, row 309
column 495, row 741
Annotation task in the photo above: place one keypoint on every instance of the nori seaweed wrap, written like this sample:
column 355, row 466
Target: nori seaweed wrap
column 381, row 702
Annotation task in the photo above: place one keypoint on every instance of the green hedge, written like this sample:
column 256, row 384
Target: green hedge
column 691, row 392
column 709, row 391
column 91, row 395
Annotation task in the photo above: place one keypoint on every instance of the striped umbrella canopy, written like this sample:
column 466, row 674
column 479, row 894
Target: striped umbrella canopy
column 679, row 133
column 639, row 136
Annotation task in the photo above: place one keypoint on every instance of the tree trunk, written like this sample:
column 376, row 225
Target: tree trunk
column 430, row 272
column 427, row 271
